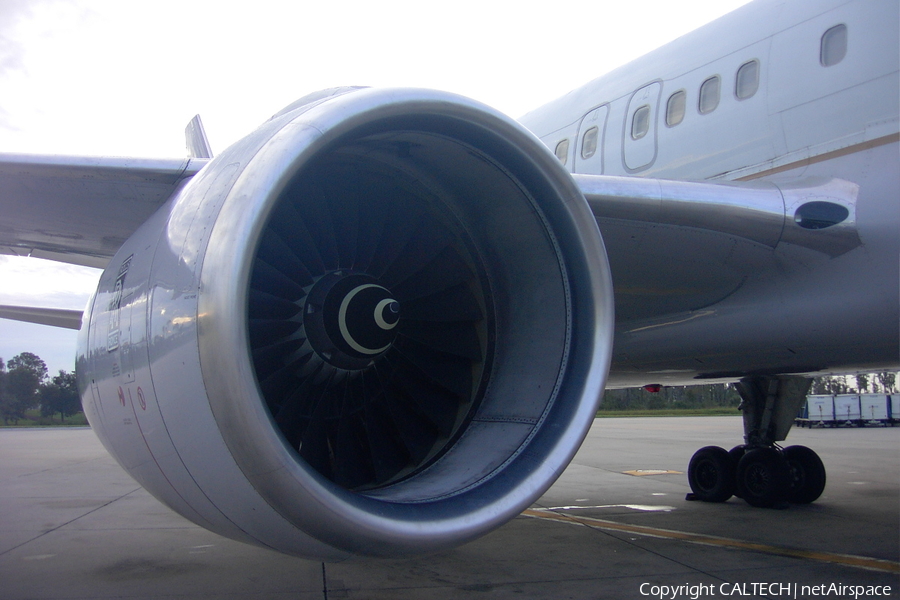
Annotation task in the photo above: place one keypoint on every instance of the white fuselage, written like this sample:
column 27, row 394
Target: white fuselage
column 818, row 98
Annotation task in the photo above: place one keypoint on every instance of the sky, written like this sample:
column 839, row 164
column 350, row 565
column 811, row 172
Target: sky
column 113, row 78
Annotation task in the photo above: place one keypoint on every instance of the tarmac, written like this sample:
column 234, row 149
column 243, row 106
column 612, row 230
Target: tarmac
column 616, row 524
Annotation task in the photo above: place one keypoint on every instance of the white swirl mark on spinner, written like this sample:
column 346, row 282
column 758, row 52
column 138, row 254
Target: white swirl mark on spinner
column 342, row 320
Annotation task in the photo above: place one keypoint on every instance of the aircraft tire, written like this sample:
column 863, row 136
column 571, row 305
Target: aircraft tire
column 763, row 477
column 736, row 454
column 807, row 474
column 711, row 474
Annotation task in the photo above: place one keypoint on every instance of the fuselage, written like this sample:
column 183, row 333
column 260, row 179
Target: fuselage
column 776, row 91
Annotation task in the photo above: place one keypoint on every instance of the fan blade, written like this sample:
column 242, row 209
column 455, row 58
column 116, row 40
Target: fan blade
column 271, row 358
column 275, row 252
column 268, row 279
column 264, row 332
column 352, row 459
column 340, row 190
column 458, row 339
column 374, row 211
column 445, row 270
column 388, row 454
column 426, row 243
column 438, row 400
column 263, row 305
column 416, row 430
column 456, row 304
column 317, row 218
column 293, row 229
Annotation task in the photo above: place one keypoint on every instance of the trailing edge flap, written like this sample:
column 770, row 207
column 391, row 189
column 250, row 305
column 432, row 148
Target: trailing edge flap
column 54, row 317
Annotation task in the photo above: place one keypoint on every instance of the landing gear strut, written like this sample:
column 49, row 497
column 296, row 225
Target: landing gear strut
column 759, row 471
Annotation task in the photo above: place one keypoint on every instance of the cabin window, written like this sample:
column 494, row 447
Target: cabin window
column 709, row 95
column 640, row 122
column 562, row 150
column 589, row 142
column 747, row 81
column 834, row 46
column 675, row 108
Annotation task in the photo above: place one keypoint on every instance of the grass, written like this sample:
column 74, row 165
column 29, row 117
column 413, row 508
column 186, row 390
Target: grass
column 719, row 411
column 33, row 418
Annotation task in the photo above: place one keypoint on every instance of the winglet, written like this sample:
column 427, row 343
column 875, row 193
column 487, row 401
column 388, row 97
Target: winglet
column 195, row 138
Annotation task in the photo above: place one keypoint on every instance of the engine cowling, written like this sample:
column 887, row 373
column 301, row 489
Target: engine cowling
column 379, row 325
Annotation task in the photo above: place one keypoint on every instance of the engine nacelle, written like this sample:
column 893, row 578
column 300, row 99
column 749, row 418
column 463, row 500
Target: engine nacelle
column 380, row 325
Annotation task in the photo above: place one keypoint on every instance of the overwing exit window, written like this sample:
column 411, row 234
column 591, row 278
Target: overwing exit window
column 589, row 142
column 640, row 122
column 562, row 150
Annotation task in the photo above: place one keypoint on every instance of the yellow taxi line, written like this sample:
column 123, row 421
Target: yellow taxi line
column 863, row 562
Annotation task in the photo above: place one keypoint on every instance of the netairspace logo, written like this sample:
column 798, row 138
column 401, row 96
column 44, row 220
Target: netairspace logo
column 775, row 590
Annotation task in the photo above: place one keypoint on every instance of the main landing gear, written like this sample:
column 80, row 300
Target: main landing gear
column 760, row 471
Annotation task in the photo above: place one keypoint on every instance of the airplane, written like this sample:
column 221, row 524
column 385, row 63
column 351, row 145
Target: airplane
column 381, row 323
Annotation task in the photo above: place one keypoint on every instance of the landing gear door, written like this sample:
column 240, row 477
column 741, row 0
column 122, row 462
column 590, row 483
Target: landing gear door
column 591, row 133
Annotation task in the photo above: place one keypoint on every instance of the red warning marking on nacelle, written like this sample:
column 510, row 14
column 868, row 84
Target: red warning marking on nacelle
column 121, row 396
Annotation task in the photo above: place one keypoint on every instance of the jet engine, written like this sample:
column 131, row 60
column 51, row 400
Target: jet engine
column 378, row 325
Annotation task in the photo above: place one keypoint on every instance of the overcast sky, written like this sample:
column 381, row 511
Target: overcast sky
column 123, row 78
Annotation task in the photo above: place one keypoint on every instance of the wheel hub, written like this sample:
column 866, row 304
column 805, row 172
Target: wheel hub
column 707, row 475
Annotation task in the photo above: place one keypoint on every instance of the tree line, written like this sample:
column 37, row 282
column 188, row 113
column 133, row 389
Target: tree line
column 725, row 395
column 672, row 397
column 884, row 382
column 25, row 385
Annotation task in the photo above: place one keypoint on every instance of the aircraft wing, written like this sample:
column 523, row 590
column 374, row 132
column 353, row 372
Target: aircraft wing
column 55, row 317
column 80, row 210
